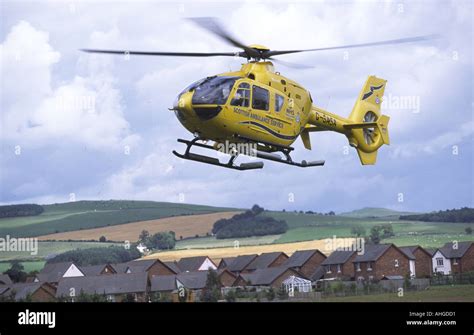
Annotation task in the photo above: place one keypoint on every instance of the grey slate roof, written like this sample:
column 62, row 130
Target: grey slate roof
column 5, row 279
column 449, row 252
column 111, row 284
column 173, row 266
column 431, row 251
column 409, row 252
column 338, row 257
column 318, row 273
column 93, row 270
column 262, row 277
column 263, row 260
column 299, row 258
column 191, row 263
column 225, row 262
column 372, row 252
column 193, row 280
column 163, row 283
column 53, row 272
column 240, row 262
column 3, row 289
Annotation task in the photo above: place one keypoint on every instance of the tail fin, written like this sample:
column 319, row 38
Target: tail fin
column 368, row 129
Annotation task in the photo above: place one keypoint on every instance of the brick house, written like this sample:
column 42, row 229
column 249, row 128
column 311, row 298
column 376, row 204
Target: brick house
column 380, row 260
column 153, row 267
column 226, row 277
column 35, row 292
column 454, row 258
column 239, row 264
column 339, row 265
column 267, row 260
column 420, row 261
column 224, row 262
column 116, row 287
column 54, row 272
column 198, row 263
column 305, row 261
column 269, row 277
column 96, row 270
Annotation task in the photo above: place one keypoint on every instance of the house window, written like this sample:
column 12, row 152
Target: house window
column 455, row 261
column 439, row 262
column 328, row 268
column 369, row 266
column 278, row 102
column 357, row 265
column 396, row 263
column 242, row 96
column 338, row 268
column 260, row 98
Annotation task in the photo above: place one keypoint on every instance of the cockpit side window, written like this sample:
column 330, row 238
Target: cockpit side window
column 279, row 100
column 213, row 90
column 260, row 98
column 242, row 96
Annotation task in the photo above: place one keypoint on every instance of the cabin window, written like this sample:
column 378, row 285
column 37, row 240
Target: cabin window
column 279, row 100
column 213, row 90
column 260, row 98
column 242, row 96
column 439, row 262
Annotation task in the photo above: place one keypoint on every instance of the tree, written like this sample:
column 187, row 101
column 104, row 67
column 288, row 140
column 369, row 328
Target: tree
column 143, row 237
column 387, row 230
column 468, row 230
column 102, row 239
column 162, row 241
column 256, row 209
column 16, row 273
column 282, row 294
column 211, row 292
column 271, row 294
column 231, row 296
column 358, row 230
column 375, row 234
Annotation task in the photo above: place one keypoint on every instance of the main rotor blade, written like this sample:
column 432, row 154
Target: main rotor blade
column 389, row 42
column 292, row 65
column 159, row 53
column 212, row 24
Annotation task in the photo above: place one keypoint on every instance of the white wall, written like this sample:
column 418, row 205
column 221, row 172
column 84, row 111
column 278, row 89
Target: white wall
column 207, row 264
column 445, row 268
column 412, row 268
column 73, row 271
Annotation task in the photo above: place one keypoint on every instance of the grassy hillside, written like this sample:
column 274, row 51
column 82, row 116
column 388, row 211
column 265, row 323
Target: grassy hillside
column 374, row 212
column 93, row 214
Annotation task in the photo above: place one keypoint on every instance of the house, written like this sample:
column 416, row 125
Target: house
column 270, row 277
column 454, row 258
column 116, row 287
column 224, row 263
column 420, row 261
column 185, row 286
column 35, row 292
column 198, row 263
column 239, row 264
column 226, row 277
column 5, row 279
column 305, row 261
column 153, row 267
column 379, row 260
column 54, row 272
column 337, row 265
column 96, row 270
column 173, row 265
column 266, row 260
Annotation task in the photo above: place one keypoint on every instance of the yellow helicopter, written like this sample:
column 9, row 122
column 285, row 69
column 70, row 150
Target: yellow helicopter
column 258, row 112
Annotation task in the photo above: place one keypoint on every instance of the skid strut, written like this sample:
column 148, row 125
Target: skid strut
column 269, row 153
column 211, row 160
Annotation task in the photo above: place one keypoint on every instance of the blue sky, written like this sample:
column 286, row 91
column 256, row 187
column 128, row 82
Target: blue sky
column 98, row 127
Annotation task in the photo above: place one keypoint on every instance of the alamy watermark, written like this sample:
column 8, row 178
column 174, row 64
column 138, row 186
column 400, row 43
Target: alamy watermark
column 345, row 244
column 12, row 244
column 235, row 149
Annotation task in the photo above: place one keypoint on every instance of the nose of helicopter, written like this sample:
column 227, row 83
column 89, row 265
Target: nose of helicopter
column 182, row 106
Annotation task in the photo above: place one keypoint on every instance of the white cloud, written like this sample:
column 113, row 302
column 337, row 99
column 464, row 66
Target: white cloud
column 87, row 110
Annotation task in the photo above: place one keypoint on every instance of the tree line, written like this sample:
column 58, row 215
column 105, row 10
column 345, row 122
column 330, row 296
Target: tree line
column 464, row 214
column 249, row 223
column 10, row 211
column 95, row 256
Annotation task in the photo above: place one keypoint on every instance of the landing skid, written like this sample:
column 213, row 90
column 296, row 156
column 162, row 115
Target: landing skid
column 268, row 154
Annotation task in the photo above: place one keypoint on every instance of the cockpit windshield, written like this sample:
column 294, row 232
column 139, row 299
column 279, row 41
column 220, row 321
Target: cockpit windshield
column 213, row 90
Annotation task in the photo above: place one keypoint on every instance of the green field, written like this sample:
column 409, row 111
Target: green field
column 48, row 249
column 212, row 242
column 93, row 214
column 374, row 212
column 459, row 293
